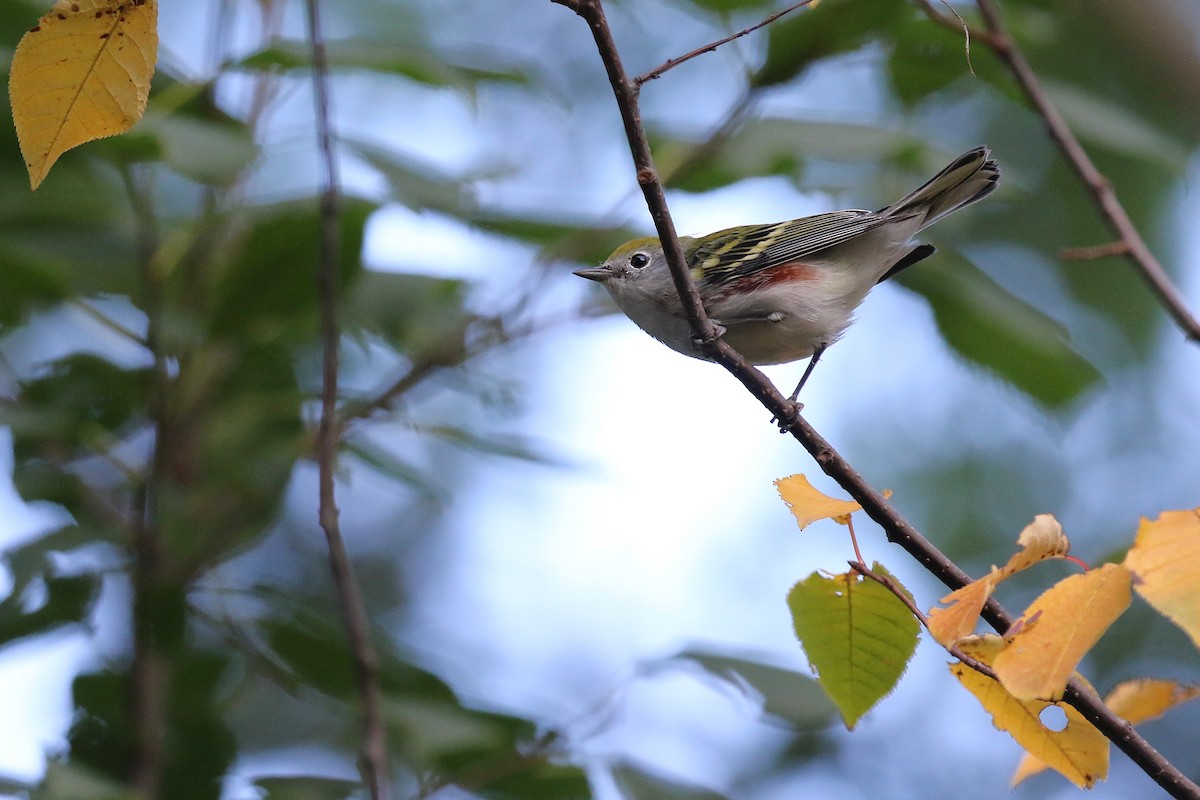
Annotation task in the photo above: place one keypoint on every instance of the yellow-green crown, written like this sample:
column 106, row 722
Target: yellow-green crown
column 641, row 243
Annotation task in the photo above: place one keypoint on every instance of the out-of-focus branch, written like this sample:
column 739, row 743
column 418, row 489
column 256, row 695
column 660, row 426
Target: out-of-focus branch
column 150, row 664
column 1097, row 184
column 897, row 529
column 374, row 754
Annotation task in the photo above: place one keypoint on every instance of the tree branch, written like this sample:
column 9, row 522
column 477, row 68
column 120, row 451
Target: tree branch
column 150, row 665
column 1101, row 190
column 670, row 64
column 374, row 754
column 897, row 529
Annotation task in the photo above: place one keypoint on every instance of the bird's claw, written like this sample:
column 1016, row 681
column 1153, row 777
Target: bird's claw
column 701, row 342
column 790, row 417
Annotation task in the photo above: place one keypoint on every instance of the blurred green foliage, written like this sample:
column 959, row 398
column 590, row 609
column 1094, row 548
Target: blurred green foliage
column 183, row 401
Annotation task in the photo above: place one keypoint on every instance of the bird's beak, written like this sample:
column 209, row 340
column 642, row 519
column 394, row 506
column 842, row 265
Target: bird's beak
column 600, row 274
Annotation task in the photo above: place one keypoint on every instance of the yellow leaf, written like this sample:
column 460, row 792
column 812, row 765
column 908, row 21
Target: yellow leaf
column 1057, row 630
column 1147, row 698
column 1135, row 701
column 82, row 73
column 948, row 625
column 809, row 505
column 1079, row 751
column 1166, row 560
column 1042, row 539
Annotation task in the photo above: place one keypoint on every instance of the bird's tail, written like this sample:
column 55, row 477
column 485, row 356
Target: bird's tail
column 970, row 177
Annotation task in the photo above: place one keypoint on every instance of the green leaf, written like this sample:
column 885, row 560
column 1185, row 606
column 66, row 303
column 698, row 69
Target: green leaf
column 434, row 729
column 415, row 184
column 565, row 241
column 306, row 787
column 416, row 62
column 801, row 39
column 204, row 150
column 68, row 601
column 240, row 409
column 270, row 288
column 538, row 780
column 638, row 782
column 388, row 464
column 83, row 402
column 1117, row 127
column 31, row 560
column 777, row 146
column 70, row 780
column 29, row 283
column 925, row 60
column 416, row 313
column 858, row 636
column 727, row 6
column 785, row 694
column 516, row 447
column 197, row 748
column 993, row 328
column 187, row 131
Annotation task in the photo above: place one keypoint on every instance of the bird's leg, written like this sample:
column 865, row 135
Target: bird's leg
column 812, row 362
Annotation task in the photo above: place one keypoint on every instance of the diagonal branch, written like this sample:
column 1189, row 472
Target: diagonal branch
column 897, row 529
column 374, row 756
column 1097, row 184
column 670, row 64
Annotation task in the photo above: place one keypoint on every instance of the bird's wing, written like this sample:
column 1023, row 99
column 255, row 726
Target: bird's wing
column 737, row 252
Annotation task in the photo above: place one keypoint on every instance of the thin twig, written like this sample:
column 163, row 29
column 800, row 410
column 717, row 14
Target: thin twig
column 1102, row 191
column 890, row 584
column 670, row 64
column 897, row 529
column 374, row 755
column 1093, row 252
column 956, row 24
column 109, row 322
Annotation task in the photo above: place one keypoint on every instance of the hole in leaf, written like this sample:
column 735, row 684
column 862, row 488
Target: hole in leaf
column 1053, row 718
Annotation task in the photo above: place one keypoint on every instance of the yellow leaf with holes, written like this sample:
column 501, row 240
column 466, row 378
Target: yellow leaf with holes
column 1042, row 539
column 948, row 625
column 1135, row 701
column 1057, row 630
column 82, row 73
column 1078, row 751
column 1166, row 560
column 809, row 505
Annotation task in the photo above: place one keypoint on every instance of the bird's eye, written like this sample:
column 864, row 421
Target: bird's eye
column 639, row 260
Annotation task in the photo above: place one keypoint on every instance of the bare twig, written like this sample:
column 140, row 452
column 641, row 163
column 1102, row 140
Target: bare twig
column 670, row 64
column 1102, row 191
column 890, row 584
column 374, row 756
column 897, row 529
column 956, row 24
column 1095, row 251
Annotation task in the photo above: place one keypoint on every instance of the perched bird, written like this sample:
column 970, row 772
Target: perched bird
column 785, row 291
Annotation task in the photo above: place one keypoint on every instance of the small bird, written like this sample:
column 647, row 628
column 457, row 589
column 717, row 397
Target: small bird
column 785, row 291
